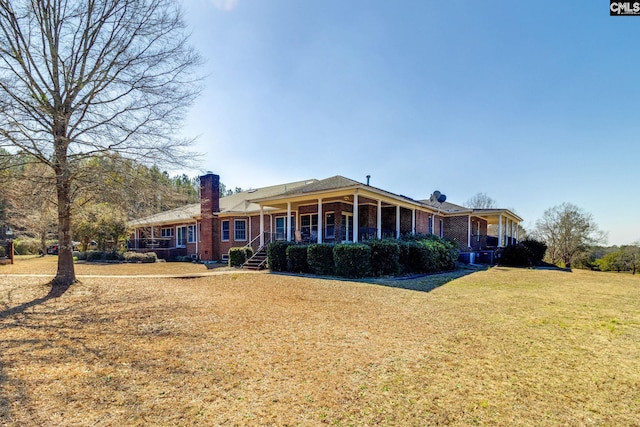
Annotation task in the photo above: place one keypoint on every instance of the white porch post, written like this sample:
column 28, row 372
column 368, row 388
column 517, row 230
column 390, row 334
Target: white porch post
column 500, row 231
column 195, row 232
column 397, row 221
column 288, row 222
column 320, row 225
column 379, row 220
column 469, row 232
column 413, row 221
column 355, row 217
column 261, row 226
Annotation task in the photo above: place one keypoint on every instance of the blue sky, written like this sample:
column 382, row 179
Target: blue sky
column 533, row 103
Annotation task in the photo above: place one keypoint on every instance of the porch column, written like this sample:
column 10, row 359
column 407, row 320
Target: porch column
column 197, row 236
column 500, row 231
column 320, row 215
column 397, row 221
column 379, row 220
column 413, row 221
column 261, row 226
column 355, row 217
column 469, row 231
column 288, row 222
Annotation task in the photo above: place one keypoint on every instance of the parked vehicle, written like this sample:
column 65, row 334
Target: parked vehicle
column 52, row 250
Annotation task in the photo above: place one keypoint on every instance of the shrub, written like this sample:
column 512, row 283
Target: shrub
column 277, row 255
column 403, row 258
column 527, row 253
column 538, row 250
column 3, row 252
column 320, row 258
column 352, row 259
column 149, row 257
column 82, row 256
column 385, row 255
column 297, row 259
column 93, row 256
column 27, row 246
column 430, row 253
column 239, row 255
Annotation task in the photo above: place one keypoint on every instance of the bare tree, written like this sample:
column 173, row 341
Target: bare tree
column 87, row 78
column 568, row 231
column 480, row 201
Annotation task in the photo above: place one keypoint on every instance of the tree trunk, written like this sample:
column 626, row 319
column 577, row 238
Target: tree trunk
column 66, row 274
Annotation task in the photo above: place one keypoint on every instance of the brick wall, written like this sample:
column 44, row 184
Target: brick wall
column 457, row 228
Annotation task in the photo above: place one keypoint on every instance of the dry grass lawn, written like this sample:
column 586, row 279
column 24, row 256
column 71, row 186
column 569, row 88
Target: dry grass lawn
column 497, row 347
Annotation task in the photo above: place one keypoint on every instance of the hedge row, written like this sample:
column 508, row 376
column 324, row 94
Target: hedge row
column 416, row 254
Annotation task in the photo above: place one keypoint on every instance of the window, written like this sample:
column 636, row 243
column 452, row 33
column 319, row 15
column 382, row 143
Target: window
column 181, row 241
column 240, row 229
column 430, row 225
column 281, row 227
column 329, row 226
column 441, row 229
column 166, row 232
column 191, row 234
column 225, row 231
column 347, row 227
column 309, row 225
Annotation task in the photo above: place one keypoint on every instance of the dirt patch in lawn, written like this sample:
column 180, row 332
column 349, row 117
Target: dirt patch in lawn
column 498, row 347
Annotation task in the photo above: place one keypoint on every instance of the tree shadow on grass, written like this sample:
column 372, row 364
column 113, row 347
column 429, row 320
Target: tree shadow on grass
column 425, row 282
column 56, row 291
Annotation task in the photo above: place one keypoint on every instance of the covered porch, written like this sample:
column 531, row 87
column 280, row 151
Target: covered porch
column 351, row 212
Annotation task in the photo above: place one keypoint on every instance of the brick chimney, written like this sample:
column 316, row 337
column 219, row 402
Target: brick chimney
column 209, row 208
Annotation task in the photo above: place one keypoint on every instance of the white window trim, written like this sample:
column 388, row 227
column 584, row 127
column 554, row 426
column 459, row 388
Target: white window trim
column 222, row 230
column 235, row 221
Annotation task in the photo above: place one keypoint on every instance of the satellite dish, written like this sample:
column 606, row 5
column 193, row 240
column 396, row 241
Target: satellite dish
column 436, row 194
column 442, row 198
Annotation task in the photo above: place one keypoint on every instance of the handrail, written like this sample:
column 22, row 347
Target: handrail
column 267, row 240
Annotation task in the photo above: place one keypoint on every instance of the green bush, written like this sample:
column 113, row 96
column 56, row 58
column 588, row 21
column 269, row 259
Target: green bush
column 403, row 258
column 3, row 252
column 428, row 253
column 239, row 255
column 320, row 258
column 527, row 253
column 297, row 259
column 93, row 256
column 277, row 255
column 82, row 256
column 352, row 259
column 27, row 246
column 385, row 256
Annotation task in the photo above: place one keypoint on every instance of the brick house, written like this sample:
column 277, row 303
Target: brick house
column 335, row 209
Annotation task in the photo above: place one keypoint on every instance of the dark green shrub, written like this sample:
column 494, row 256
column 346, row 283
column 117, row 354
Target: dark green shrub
column 82, row 256
column 112, row 256
column 297, row 259
column 352, row 259
column 94, row 256
column 403, row 258
column 277, row 255
column 538, row 250
column 3, row 252
column 239, row 255
column 429, row 253
column 320, row 259
column 527, row 253
column 385, row 256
